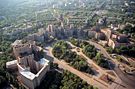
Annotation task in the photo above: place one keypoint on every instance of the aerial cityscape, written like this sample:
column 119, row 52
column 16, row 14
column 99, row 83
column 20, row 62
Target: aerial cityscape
column 67, row 44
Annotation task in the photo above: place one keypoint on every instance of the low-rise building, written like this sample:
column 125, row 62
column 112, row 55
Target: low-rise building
column 115, row 40
column 118, row 40
column 11, row 64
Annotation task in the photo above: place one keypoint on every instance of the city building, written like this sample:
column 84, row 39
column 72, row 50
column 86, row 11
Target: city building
column 74, row 20
column 58, row 32
column 118, row 40
column 108, row 32
column 109, row 37
column 39, row 37
column 102, row 21
column 96, row 33
column 31, row 65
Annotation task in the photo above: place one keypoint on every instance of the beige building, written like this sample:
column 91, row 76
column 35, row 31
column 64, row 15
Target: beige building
column 96, row 33
column 107, row 32
column 11, row 64
column 115, row 40
column 31, row 67
column 36, row 37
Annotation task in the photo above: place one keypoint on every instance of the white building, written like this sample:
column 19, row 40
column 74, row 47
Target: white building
column 30, row 79
column 31, row 67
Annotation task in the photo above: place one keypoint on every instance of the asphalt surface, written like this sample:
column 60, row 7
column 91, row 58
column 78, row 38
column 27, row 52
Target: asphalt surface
column 128, row 81
column 65, row 66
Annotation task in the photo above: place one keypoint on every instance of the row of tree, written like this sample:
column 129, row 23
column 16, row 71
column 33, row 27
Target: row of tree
column 91, row 52
column 97, row 57
column 6, row 77
column 61, row 51
column 128, row 30
column 123, row 50
column 63, row 80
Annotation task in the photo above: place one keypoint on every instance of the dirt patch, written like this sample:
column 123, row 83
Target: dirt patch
column 107, row 79
column 111, row 73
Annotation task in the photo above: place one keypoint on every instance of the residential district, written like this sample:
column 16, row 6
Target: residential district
column 67, row 44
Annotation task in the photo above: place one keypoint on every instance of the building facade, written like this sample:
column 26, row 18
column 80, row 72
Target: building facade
column 31, row 67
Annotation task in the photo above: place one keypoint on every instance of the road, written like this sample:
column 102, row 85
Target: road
column 129, row 83
column 126, row 83
column 100, row 70
column 89, row 61
column 65, row 66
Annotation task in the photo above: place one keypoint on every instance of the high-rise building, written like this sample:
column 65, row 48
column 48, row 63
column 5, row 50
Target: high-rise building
column 31, row 66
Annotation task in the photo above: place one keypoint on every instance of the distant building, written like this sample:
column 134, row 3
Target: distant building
column 75, row 20
column 102, row 21
column 59, row 32
column 96, row 33
column 61, row 17
column 113, row 40
column 91, row 34
column 107, row 32
column 36, row 37
column 50, row 28
column 118, row 40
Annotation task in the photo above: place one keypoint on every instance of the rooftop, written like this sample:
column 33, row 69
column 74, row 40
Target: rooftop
column 26, row 73
column 43, row 61
column 11, row 62
column 25, row 54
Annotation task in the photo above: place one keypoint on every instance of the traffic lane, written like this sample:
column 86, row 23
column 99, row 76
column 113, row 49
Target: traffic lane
column 130, row 84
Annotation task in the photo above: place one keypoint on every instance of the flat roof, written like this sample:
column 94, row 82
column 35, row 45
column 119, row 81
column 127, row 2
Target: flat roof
column 28, row 74
column 11, row 62
column 43, row 61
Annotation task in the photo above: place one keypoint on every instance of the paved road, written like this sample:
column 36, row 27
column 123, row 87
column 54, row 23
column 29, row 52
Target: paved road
column 89, row 61
column 129, row 83
column 103, row 50
column 82, row 75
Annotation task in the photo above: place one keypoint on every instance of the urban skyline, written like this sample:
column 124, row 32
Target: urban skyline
column 67, row 44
